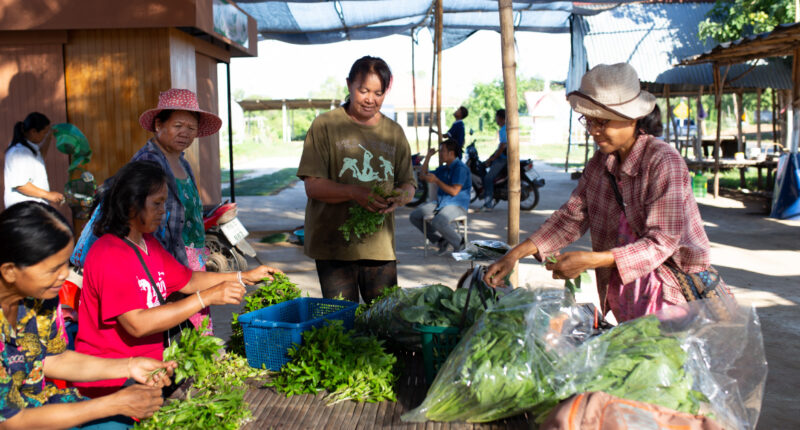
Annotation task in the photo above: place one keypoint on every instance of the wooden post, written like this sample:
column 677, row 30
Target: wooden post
column 698, row 143
column 758, row 118
column 414, row 87
column 738, row 108
column 439, row 31
column 512, row 120
column 433, row 94
column 669, row 112
column 718, row 105
column 688, row 123
column 774, row 118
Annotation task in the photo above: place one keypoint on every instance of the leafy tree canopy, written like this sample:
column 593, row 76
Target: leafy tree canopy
column 733, row 19
column 487, row 97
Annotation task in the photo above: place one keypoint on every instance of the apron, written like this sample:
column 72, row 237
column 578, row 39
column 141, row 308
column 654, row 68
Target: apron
column 637, row 298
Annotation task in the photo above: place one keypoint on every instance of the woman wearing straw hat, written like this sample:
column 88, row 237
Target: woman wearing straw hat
column 176, row 122
column 660, row 220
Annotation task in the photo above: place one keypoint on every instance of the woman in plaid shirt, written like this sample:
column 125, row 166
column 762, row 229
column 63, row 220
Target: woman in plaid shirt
column 660, row 220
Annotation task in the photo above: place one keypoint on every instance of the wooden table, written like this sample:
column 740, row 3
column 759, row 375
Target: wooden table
column 274, row 410
column 730, row 163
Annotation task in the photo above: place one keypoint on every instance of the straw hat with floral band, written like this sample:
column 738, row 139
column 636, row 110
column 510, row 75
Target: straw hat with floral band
column 612, row 92
column 180, row 99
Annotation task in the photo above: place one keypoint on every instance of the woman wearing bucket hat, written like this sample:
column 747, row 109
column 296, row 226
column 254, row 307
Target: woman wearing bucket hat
column 660, row 220
column 176, row 122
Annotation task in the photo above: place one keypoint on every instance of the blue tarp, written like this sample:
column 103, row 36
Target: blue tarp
column 315, row 21
column 786, row 198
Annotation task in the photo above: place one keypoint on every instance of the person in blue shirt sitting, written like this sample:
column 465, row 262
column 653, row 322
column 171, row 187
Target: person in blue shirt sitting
column 452, row 199
column 456, row 131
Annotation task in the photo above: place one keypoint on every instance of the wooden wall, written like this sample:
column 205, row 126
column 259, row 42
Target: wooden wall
column 208, row 170
column 32, row 79
column 112, row 76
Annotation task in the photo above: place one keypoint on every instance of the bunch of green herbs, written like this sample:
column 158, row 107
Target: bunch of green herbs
column 362, row 222
column 276, row 290
column 347, row 365
column 195, row 354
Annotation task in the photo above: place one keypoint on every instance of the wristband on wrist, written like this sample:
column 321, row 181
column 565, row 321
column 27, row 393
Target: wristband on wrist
column 239, row 278
column 202, row 305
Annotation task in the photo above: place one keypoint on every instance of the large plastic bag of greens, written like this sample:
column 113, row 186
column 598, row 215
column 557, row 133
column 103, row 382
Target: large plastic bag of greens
column 497, row 370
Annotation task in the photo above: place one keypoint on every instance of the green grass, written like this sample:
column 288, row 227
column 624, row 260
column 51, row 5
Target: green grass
column 237, row 174
column 251, row 149
column 730, row 179
column 265, row 185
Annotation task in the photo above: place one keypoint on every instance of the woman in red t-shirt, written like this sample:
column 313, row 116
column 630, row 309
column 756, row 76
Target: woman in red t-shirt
column 120, row 313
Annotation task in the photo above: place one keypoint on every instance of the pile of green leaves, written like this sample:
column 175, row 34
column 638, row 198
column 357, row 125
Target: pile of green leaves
column 347, row 365
column 392, row 316
column 194, row 353
column 216, row 399
column 276, row 290
column 503, row 366
column 363, row 223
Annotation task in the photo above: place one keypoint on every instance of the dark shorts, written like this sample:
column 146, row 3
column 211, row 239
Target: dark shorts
column 348, row 278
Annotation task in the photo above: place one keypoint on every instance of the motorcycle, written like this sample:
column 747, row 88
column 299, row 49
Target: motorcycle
column 226, row 239
column 529, row 188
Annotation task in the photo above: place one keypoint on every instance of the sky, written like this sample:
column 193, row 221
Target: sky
column 283, row 70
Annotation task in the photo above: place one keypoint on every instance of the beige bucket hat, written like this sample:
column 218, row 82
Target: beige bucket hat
column 612, row 92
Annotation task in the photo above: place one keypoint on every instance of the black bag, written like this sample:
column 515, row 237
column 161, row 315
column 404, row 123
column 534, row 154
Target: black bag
column 694, row 286
column 174, row 333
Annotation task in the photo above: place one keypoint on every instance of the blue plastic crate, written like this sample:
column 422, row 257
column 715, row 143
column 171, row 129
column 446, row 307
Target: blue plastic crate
column 271, row 331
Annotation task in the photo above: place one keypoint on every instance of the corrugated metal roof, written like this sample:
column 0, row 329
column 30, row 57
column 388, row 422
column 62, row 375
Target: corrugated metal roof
column 655, row 37
column 782, row 40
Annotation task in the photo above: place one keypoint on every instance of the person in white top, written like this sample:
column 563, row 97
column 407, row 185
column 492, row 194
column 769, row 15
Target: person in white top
column 25, row 176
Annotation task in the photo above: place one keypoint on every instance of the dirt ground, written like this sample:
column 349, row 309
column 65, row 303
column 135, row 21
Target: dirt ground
column 758, row 257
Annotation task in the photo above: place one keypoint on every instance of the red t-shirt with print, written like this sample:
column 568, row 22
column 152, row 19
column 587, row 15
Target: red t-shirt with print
column 114, row 282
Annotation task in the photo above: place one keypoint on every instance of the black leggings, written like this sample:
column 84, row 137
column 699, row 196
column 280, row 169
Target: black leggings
column 347, row 278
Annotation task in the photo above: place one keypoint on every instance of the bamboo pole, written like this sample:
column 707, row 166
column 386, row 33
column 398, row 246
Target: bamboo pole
column 433, row 94
column 698, row 143
column 758, row 117
column 512, row 120
column 414, row 87
column 718, row 105
column 738, row 108
column 439, row 31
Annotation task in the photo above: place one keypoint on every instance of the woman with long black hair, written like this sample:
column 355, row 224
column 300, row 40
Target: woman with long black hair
column 25, row 174
column 37, row 242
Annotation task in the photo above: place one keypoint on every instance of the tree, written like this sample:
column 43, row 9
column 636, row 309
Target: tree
column 733, row 19
column 486, row 98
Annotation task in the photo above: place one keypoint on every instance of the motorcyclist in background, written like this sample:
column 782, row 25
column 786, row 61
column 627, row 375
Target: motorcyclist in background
column 496, row 162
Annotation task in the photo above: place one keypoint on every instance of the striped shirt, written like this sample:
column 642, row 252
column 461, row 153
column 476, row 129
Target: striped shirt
column 660, row 207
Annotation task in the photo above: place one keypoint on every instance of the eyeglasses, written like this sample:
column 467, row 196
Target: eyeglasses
column 593, row 123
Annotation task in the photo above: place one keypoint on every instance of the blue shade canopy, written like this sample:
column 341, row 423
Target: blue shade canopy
column 320, row 21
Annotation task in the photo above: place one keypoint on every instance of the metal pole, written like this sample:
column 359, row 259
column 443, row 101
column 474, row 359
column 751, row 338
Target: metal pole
column 230, row 132
column 718, row 104
column 512, row 121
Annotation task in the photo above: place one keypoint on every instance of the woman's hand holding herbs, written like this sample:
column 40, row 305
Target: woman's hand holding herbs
column 256, row 275
column 153, row 373
column 570, row 265
column 225, row 293
column 368, row 199
column 138, row 401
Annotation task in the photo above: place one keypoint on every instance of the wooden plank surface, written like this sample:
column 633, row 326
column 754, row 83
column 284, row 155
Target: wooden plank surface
column 276, row 411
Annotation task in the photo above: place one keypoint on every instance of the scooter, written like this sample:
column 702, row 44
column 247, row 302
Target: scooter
column 529, row 188
column 226, row 239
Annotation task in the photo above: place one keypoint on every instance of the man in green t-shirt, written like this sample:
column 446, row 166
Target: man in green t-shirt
column 346, row 152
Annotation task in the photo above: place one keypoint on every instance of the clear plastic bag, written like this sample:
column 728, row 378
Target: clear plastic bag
column 536, row 348
column 482, row 250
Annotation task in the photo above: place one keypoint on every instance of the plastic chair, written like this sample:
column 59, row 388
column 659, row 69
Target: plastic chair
column 461, row 227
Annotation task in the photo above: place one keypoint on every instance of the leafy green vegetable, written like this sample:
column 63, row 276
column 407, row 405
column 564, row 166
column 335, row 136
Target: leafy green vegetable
column 276, row 290
column 363, row 223
column 224, row 409
column 347, row 365
column 194, row 353
column 510, row 362
column 572, row 285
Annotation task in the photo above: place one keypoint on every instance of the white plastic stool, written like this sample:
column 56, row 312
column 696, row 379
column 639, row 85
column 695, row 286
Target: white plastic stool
column 459, row 221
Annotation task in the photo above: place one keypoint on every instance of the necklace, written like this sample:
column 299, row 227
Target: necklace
column 142, row 245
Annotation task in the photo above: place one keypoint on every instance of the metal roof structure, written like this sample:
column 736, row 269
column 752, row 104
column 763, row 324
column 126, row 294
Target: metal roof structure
column 653, row 38
column 315, row 21
column 782, row 41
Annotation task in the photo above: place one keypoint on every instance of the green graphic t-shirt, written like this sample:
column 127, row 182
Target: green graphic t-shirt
column 344, row 151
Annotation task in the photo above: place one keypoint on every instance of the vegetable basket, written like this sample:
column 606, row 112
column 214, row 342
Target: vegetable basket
column 437, row 343
column 271, row 331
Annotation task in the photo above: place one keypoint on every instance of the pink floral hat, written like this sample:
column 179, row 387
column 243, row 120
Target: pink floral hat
column 180, row 99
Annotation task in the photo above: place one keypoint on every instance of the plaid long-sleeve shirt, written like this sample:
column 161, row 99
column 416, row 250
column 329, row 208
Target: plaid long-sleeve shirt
column 660, row 207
